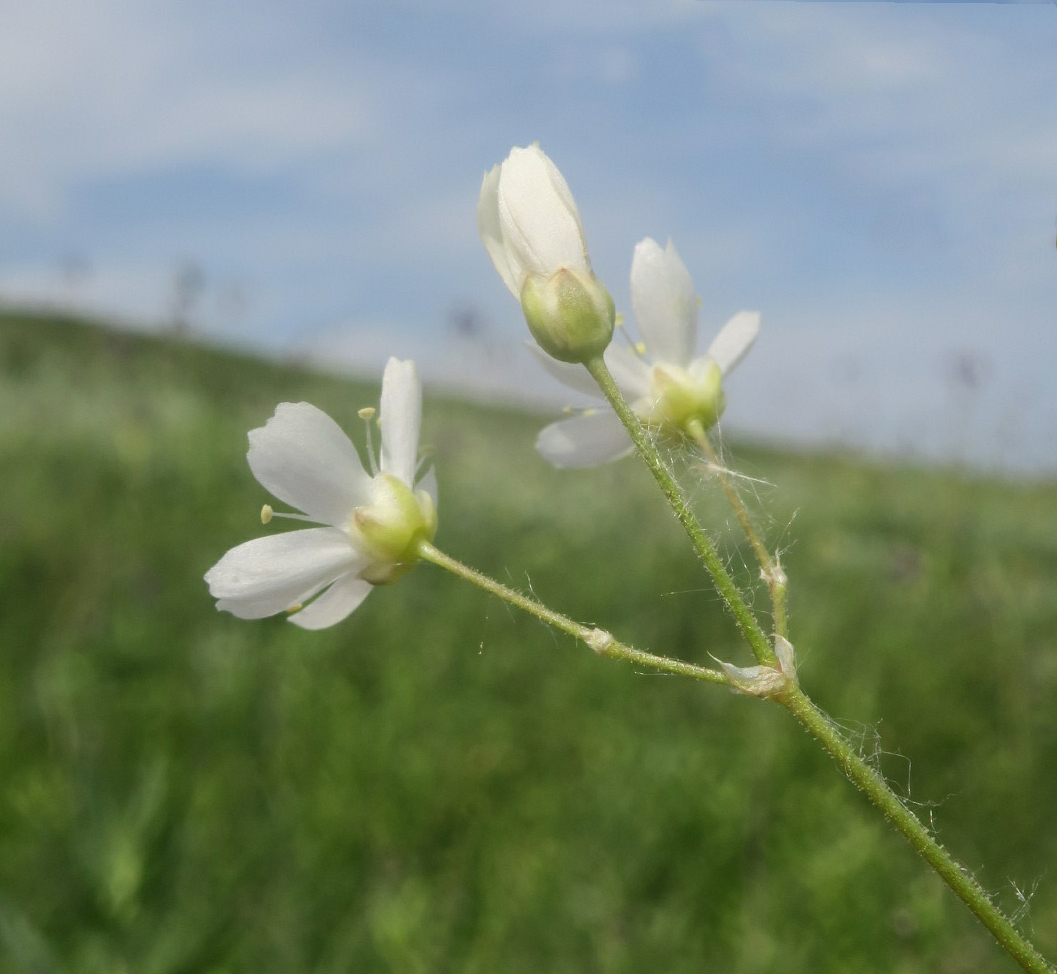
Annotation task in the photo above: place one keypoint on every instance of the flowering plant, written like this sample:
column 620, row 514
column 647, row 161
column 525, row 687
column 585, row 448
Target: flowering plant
column 377, row 525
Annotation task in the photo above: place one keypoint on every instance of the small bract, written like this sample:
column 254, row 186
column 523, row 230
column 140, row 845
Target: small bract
column 669, row 389
column 531, row 229
column 373, row 522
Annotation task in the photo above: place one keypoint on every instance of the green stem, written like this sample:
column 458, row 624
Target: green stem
column 798, row 703
column 597, row 639
column 769, row 568
column 728, row 591
column 953, row 873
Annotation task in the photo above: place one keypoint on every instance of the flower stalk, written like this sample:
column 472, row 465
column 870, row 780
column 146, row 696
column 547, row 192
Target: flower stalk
column 597, row 639
column 770, row 569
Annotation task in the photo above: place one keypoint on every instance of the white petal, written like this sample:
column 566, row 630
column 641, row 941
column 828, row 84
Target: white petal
column 629, row 371
column 734, row 340
column 270, row 574
column 400, row 419
column 576, row 377
column 305, row 459
column 584, row 441
column 558, row 184
column 492, row 234
column 665, row 305
column 428, row 483
column 539, row 219
column 337, row 602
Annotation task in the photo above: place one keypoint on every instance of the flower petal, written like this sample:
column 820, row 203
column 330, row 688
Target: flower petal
column 270, row 574
column 400, row 419
column 576, row 377
column 665, row 305
column 584, row 441
column 538, row 217
column 305, row 459
column 337, row 602
column 734, row 340
column 428, row 483
column 491, row 232
column 629, row 371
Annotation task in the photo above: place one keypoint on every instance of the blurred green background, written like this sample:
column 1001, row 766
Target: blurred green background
column 439, row 784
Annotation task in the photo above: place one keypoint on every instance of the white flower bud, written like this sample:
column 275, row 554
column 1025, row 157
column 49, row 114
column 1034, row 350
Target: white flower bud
column 531, row 229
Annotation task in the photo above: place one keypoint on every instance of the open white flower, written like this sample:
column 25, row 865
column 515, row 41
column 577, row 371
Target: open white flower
column 669, row 389
column 531, row 228
column 373, row 522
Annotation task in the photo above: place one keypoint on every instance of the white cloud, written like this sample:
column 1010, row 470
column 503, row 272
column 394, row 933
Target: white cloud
column 854, row 170
column 103, row 90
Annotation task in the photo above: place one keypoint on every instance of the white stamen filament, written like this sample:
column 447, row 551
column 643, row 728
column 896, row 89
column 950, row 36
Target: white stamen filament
column 289, row 517
column 367, row 414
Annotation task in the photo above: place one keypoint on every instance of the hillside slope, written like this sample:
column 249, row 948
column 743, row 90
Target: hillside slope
column 440, row 785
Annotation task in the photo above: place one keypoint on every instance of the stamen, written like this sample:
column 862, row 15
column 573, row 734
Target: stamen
column 296, row 607
column 267, row 514
column 367, row 414
column 639, row 348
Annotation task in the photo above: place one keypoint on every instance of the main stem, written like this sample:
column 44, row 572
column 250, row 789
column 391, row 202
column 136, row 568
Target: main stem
column 599, row 640
column 728, row 591
column 800, row 705
column 952, row 872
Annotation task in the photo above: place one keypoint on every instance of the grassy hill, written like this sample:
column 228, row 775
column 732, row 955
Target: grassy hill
column 440, row 785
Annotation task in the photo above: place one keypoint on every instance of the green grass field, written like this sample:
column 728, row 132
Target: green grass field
column 440, row 785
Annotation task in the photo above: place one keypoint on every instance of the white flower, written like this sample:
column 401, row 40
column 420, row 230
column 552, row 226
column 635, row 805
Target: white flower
column 669, row 389
column 373, row 521
column 531, row 228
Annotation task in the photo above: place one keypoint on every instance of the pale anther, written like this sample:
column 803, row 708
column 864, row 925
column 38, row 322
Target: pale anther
column 266, row 513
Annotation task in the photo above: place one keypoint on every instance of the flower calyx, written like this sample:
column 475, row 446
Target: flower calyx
column 681, row 398
column 389, row 529
column 570, row 314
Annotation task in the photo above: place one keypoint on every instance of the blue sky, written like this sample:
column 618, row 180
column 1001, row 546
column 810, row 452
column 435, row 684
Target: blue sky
column 879, row 179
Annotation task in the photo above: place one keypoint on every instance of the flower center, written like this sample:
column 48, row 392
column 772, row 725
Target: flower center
column 679, row 397
column 389, row 529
